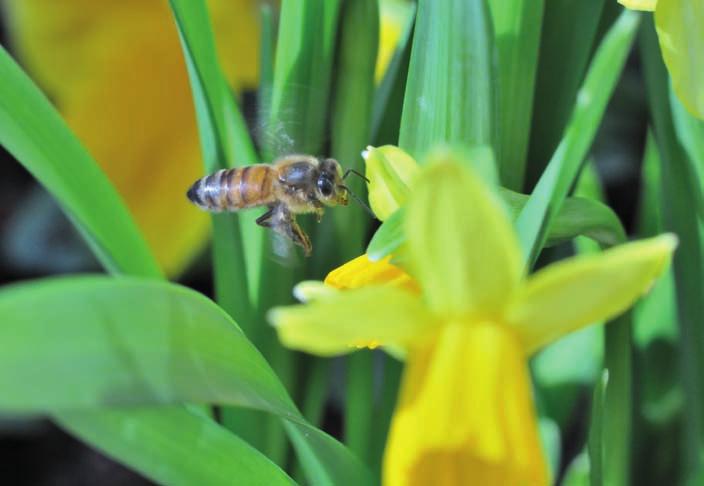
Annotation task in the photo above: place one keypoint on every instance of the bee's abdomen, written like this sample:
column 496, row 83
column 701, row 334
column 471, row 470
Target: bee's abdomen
column 233, row 189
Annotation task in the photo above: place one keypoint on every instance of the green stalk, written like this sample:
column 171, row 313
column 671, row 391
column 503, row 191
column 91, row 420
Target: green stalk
column 517, row 26
column 680, row 190
column 547, row 198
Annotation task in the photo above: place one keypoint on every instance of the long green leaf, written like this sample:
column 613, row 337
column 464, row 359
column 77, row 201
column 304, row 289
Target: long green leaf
column 34, row 133
column 225, row 143
column 388, row 97
column 449, row 96
column 679, row 197
column 169, row 345
column 172, row 445
column 304, row 55
column 547, row 198
column 577, row 216
column 517, row 35
column 352, row 114
column 567, row 38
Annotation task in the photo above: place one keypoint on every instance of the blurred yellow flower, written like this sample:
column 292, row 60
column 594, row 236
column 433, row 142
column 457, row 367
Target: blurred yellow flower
column 116, row 72
column 465, row 411
column 681, row 36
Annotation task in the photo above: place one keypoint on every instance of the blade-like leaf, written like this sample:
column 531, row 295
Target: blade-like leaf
column 517, row 35
column 568, row 33
column 547, row 198
column 172, row 445
column 225, row 143
column 679, row 198
column 169, row 345
column 34, row 133
column 388, row 97
column 449, row 96
column 578, row 216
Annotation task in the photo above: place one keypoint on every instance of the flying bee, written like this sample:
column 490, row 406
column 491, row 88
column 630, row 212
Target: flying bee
column 293, row 184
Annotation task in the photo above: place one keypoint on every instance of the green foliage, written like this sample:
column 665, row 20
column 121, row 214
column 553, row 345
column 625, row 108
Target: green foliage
column 546, row 200
column 132, row 364
column 32, row 131
column 449, row 94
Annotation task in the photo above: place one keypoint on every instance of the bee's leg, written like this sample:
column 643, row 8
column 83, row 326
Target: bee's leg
column 265, row 219
column 298, row 236
column 281, row 220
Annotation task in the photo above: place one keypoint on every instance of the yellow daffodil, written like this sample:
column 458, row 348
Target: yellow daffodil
column 115, row 69
column 465, row 413
column 679, row 27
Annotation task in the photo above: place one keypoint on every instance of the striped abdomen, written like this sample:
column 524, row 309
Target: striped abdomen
column 233, row 189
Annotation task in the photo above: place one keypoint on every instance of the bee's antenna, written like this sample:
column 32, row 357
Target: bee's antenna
column 359, row 201
column 352, row 171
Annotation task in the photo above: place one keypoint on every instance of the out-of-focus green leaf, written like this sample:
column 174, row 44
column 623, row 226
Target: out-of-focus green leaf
column 302, row 73
column 595, row 445
column 517, row 26
column 617, row 420
column 538, row 214
column 34, row 133
column 569, row 30
column 679, row 25
column 388, row 97
column 577, row 216
column 690, row 133
column 551, row 442
column 169, row 345
column 449, row 95
column 225, row 143
column 679, row 198
column 172, row 445
column 578, row 471
column 352, row 115
column 388, row 238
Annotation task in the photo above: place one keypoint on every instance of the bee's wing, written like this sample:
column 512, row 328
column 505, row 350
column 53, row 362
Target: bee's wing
column 283, row 251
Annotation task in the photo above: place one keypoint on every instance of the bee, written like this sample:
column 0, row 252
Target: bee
column 291, row 185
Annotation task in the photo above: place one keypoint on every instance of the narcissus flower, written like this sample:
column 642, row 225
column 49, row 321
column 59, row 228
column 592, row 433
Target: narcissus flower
column 465, row 411
column 679, row 27
column 115, row 69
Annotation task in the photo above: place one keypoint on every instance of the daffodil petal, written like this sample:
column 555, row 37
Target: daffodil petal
column 648, row 5
column 390, row 171
column 571, row 294
column 368, row 317
column 465, row 413
column 116, row 71
column 460, row 243
column 361, row 272
column 681, row 36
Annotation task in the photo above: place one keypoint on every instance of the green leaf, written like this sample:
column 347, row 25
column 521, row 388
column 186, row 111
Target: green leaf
column 35, row 134
column 568, row 32
column 577, row 216
column 351, row 117
column 679, row 197
column 169, row 345
column 388, row 238
column 617, row 420
column 172, row 445
column 388, row 97
column 449, row 95
column 225, row 143
column 595, row 445
column 302, row 73
column 517, row 26
column 538, row 215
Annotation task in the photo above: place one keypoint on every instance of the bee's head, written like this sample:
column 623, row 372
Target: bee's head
column 330, row 189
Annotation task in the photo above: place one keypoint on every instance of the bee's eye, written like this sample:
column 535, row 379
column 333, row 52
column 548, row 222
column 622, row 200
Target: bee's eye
column 325, row 187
